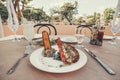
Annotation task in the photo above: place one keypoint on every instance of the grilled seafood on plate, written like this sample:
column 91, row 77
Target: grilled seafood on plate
column 67, row 52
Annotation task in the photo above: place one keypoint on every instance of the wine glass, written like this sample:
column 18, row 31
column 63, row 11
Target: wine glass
column 79, row 37
column 28, row 32
column 115, row 25
column 115, row 28
column 14, row 29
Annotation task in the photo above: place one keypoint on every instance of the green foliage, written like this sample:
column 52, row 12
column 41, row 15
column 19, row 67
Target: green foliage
column 52, row 42
column 26, row 13
column 93, row 18
column 90, row 19
column 66, row 11
column 36, row 14
column 108, row 14
column 25, row 1
column 3, row 12
column 56, row 18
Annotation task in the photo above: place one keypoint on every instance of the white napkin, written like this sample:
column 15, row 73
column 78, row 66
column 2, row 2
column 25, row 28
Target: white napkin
column 1, row 28
column 11, row 37
column 18, row 36
column 12, row 17
column 115, row 16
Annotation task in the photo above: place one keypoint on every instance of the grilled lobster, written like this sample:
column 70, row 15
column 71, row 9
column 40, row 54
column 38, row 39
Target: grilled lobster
column 67, row 52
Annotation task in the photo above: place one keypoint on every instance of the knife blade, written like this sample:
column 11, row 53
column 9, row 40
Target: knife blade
column 105, row 66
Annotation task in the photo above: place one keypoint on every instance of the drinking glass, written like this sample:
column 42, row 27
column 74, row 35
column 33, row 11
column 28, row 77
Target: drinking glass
column 115, row 25
column 79, row 37
column 28, row 31
column 14, row 29
column 13, row 25
column 115, row 28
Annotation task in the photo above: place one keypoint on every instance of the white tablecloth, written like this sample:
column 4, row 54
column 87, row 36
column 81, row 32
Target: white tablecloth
column 18, row 36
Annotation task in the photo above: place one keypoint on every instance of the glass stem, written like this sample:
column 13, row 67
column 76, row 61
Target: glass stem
column 114, row 38
column 15, row 35
column 30, row 43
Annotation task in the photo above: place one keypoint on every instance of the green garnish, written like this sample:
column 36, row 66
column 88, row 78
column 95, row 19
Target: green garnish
column 52, row 42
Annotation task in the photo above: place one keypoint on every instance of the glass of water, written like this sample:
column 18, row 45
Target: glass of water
column 80, row 37
column 28, row 31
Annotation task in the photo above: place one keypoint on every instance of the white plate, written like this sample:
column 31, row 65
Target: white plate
column 50, row 65
column 69, row 39
column 106, row 37
column 38, row 36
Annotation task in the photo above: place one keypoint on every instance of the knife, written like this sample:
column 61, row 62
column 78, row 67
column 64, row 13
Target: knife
column 108, row 69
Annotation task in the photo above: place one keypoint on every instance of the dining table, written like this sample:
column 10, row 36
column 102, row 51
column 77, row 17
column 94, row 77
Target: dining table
column 11, row 51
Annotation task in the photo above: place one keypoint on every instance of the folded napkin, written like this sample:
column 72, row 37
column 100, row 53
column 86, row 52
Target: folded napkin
column 11, row 37
column 36, row 36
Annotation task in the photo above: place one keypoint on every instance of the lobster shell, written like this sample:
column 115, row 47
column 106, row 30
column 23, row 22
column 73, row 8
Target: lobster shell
column 67, row 52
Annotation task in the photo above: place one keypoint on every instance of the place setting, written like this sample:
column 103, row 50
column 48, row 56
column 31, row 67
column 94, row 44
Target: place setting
column 66, row 55
column 60, row 54
column 63, row 56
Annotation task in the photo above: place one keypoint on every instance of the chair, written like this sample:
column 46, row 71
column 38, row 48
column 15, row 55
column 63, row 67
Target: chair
column 49, row 28
column 80, row 27
column 86, row 28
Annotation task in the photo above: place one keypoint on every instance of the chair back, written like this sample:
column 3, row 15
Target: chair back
column 45, row 27
column 87, row 29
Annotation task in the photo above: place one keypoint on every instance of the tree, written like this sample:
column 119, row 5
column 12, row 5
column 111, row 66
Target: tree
column 17, row 5
column 66, row 11
column 56, row 18
column 91, row 19
column 36, row 14
column 40, row 14
column 27, row 14
column 108, row 14
column 3, row 12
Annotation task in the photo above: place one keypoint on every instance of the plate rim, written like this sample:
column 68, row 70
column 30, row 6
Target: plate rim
column 107, row 37
column 68, row 41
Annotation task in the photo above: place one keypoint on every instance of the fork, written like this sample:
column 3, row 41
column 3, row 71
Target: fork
column 13, row 68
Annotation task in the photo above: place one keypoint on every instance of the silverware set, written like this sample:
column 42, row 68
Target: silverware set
column 13, row 68
column 27, row 51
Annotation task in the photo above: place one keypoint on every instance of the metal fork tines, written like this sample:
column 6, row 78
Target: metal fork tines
column 12, row 69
